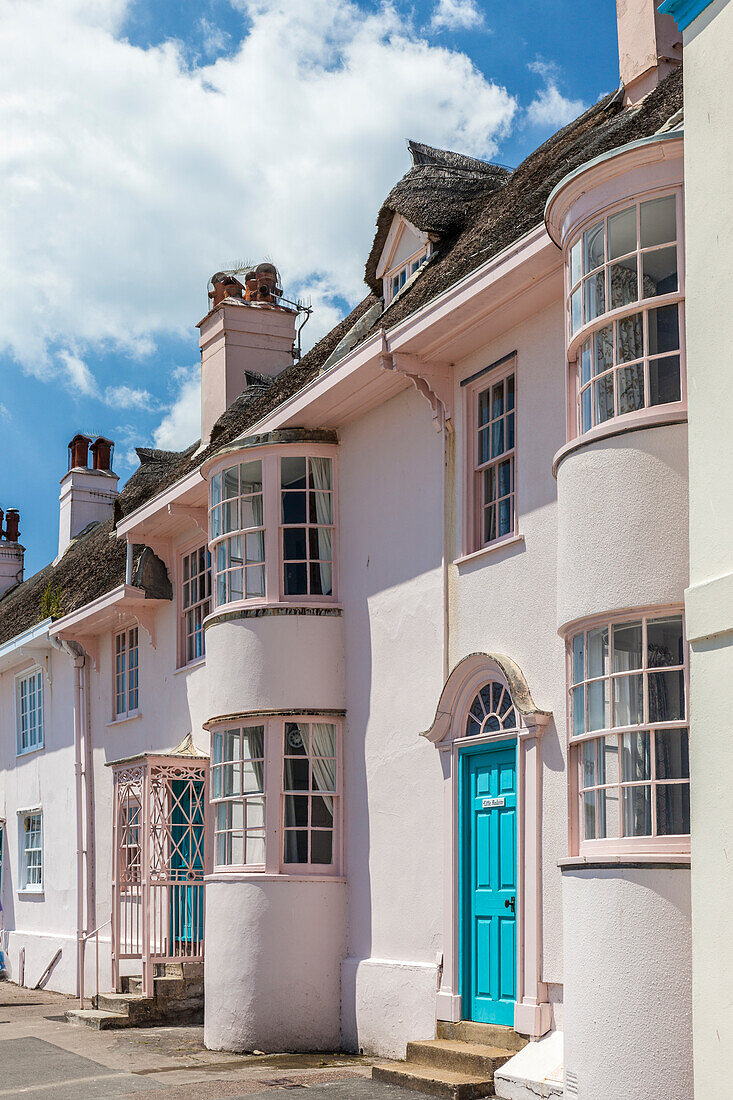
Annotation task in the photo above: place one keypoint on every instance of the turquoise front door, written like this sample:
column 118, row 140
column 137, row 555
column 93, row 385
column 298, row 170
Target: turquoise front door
column 488, row 841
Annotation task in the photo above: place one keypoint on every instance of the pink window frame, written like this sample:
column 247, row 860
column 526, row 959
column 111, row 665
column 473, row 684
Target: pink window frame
column 420, row 254
column 619, row 847
column 184, row 552
column 574, row 341
column 275, row 797
column 270, row 455
column 129, row 712
column 473, row 504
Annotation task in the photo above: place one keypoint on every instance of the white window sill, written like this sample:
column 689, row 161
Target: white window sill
column 124, row 718
column 628, row 857
column 191, row 665
column 493, row 547
column 27, row 752
column 31, row 892
column 238, row 874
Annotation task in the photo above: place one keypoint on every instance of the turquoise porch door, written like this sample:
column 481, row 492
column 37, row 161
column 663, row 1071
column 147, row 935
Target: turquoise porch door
column 488, row 841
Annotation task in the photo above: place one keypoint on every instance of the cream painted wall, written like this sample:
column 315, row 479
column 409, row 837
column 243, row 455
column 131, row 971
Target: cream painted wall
column 391, row 552
column 504, row 602
column 627, row 983
column 708, row 56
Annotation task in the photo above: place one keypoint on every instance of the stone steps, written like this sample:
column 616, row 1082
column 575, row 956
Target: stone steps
column 458, row 1065
column 97, row 1019
column 178, row 997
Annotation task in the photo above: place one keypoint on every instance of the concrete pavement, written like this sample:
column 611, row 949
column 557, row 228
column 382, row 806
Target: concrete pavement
column 44, row 1058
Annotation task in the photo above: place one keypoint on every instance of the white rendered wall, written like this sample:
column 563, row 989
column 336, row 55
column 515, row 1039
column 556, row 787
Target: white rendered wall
column 272, row 974
column 391, row 550
column 627, row 983
column 708, row 53
column 504, row 602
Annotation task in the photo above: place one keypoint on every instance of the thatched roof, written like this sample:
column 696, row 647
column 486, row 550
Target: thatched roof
column 474, row 211
column 438, row 195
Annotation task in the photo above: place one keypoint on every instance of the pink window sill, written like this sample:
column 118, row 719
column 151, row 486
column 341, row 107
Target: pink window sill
column 493, row 547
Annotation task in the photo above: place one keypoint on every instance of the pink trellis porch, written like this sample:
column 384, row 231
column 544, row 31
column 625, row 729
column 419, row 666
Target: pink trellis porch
column 160, row 854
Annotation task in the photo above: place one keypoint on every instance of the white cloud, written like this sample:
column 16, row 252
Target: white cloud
column 214, row 39
column 125, row 397
column 130, row 176
column 4, row 412
column 456, row 15
column 550, row 108
column 182, row 424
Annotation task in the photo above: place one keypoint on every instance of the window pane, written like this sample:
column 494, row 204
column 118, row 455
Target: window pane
column 296, row 739
column 293, row 507
column 504, row 518
column 635, row 757
column 630, row 338
column 595, row 295
column 255, row 578
column 624, row 284
column 630, row 385
column 659, row 272
column 296, row 846
column 599, row 716
column 296, row 579
column 603, row 350
column 252, row 511
column 585, row 411
column 637, row 811
column 608, row 818
column 664, row 642
column 254, row 546
column 255, row 850
column 296, row 810
column 578, row 658
column 324, row 739
column 578, row 710
column 322, row 847
column 230, row 483
column 588, row 778
column 585, row 362
column 666, row 696
column 294, row 543
column 510, row 392
column 608, row 769
column 658, row 221
column 484, row 408
column 576, row 309
column 664, row 330
column 251, row 477
column 673, row 809
column 622, row 233
column 603, row 398
column 575, row 256
column 255, row 813
column 216, row 489
column 321, row 508
column 253, row 775
column 627, row 647
column 322, row 812
column 589, row 807
column 504, row 472
column 489, row 523
column 319, row 543
column 497, row 438
column 292, row 473
column 497, row 401
column 628, row 701
column 297, row 776
column 593, row 247
column 510, row 431
column 598, row 651
column 230, row 516
column 664, row 380
column 671, row 753
column 236, row 582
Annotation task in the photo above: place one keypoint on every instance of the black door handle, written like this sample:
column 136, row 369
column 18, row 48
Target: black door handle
column 509, row 903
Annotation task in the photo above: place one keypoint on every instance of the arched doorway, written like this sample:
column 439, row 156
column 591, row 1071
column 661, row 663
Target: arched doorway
column 487, row 729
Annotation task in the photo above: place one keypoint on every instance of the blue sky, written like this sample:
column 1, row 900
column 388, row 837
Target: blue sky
column 151, row 143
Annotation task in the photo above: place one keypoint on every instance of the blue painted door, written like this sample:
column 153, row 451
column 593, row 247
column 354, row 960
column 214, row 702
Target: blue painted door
column 489, row 886
column 186, row 890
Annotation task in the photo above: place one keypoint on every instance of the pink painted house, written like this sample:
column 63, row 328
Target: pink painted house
column 374, row 700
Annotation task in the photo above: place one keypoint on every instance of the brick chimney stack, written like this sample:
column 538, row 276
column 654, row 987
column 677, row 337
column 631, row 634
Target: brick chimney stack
column 248, row 328
column 87, row 495
column 11, row 552
column 649, row 47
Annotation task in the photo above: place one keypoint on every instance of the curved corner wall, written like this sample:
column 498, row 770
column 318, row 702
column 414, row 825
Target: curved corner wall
column 273, row 957
column 623, row 523
column 628, row 1031
column 275, row 659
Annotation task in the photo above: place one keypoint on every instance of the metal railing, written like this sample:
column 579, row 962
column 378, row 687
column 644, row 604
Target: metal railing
column 82, row 968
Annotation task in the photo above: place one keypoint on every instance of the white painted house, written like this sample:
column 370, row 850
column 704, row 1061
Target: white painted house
column 376, row 698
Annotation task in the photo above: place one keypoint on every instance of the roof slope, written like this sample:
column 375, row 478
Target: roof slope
column 475, row 209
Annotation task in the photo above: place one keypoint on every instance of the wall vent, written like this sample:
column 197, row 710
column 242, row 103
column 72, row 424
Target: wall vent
column 571, row 1083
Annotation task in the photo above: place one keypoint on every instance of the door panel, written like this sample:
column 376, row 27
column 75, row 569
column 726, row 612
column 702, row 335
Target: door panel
column 489, row 886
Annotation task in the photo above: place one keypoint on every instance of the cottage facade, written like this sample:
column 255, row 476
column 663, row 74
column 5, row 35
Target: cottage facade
column 376, row 698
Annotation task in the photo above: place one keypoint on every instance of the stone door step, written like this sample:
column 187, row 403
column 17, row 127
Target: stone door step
column 434, row 1081
column 97, row 1019
column 453, row 1054
column 492, row 1035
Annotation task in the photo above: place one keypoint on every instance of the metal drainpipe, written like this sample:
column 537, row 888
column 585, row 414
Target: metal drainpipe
column 76, row 653
column 449, row 448
column 128, row 564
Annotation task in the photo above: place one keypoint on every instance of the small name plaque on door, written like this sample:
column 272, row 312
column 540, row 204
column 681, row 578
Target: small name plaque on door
column 489, row 803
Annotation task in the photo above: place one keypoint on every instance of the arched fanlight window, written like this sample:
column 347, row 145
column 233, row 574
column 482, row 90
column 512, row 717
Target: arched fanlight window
column 491, row 711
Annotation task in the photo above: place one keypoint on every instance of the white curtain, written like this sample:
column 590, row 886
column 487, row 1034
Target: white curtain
column 323, row 744
column 321, row 470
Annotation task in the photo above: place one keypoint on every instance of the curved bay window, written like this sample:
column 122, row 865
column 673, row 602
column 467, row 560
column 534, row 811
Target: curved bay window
column 275, row 791
column 629, row 735
column 272, row 529
column 624, row 295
